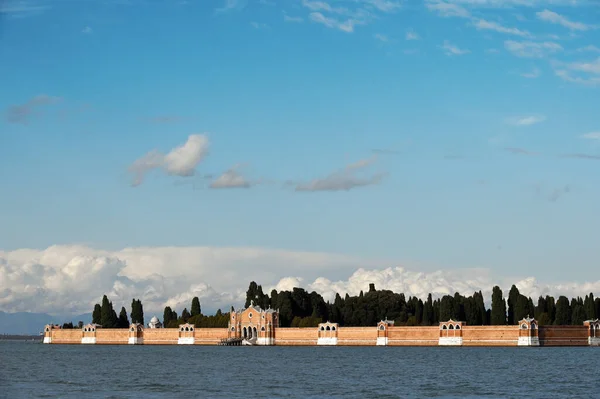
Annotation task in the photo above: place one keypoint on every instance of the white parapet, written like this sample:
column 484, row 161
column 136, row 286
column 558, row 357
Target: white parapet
column 327, row 341
column 528, row 341
column 265, row 341
column 450, row 341
column 382, row 341
column 594, row 341
column 136, row 341
column 47, row 340
column 185, row 341
column 88, row 340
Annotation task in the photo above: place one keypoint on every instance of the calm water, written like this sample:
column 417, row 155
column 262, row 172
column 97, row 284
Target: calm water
column 32, row 370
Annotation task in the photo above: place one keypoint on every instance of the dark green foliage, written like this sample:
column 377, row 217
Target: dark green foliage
column 590, row 307
column 97, row 314
column 447, row 308
column 108, row 317
column 168, row 316
column 185, row 315
column 498, row 315
column 137, row 311
column 123, row 322
column 513, row 296
column 195, row 309
column 563, row 312
column 68, row 326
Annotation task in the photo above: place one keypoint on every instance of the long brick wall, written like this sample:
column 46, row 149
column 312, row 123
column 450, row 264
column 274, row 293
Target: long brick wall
column 563, row 336
column 490, row 335
column 209, row 336
column 527, row 333
column 296, row 336
column 413, row 336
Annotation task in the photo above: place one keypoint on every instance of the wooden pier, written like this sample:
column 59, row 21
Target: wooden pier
column 231, row 342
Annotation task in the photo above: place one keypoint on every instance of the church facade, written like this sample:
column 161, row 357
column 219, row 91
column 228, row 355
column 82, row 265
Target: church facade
column 254, row 325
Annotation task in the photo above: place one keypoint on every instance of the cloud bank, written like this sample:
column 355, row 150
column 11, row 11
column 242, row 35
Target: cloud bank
column 71, row 279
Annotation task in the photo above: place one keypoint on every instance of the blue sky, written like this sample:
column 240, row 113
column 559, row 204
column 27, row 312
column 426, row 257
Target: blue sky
column 452, row 134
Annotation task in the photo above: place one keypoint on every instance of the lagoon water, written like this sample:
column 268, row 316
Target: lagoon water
column 34, row 370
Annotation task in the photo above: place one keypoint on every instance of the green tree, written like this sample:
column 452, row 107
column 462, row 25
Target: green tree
column 563, row 312
column 108, row 316
column 195, row 309
column 498, row 314
column 428, row 311
column 123, row 321
column 590, row 307
column 185, row 315
column 447, row 308
column 578, row 315
column 137, row 311
column 97, row 314
column 513, row 296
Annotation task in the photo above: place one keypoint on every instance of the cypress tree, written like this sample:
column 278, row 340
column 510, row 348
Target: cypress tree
column 513, row 296
column 447, row 308
column 106, row 309
column 185, row 315
column 419, row 312
column 167, row 314
column 563, row 312
column 578, row 315
column 97, row 314
column 428, row 311
column 251, row 294
column 521, row 308
column 590, row 307
column 123, row 321
column 196, row 310
column 498, row 314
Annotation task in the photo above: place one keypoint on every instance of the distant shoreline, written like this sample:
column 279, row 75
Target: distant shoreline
column 18, row 337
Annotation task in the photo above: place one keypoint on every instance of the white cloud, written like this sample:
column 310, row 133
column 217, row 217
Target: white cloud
column 231, row 179
column 535, row 73
column 384, row 5
column 258, row 25
column 71, row 279
column 447, row 9
column 590, row 48
column 587, row 67
column 344, row 180
column 488, row 25
column 526, row 120
column 287, row 18
column 451, row 49
column 86, row 30
column 346, row 26
column 529, row 49
column 568, row 77
column 591, row 136
column 180, row 161
column 381, row 38
column 410, row 35
column 439, row 283
column 552, row 17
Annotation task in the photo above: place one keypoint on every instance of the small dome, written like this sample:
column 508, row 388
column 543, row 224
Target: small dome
column 154, row 320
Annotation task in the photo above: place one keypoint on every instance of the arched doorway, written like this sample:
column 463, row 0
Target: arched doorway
column 245, row 333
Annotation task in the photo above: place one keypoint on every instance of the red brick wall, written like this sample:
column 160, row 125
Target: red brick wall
column 161, row 336
column 67, row 336
column 357, row 336
column 112, row 336
column 563, row 335
column 490, row 335
column 209, row 336
column 413, row 336
column 296, row 336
